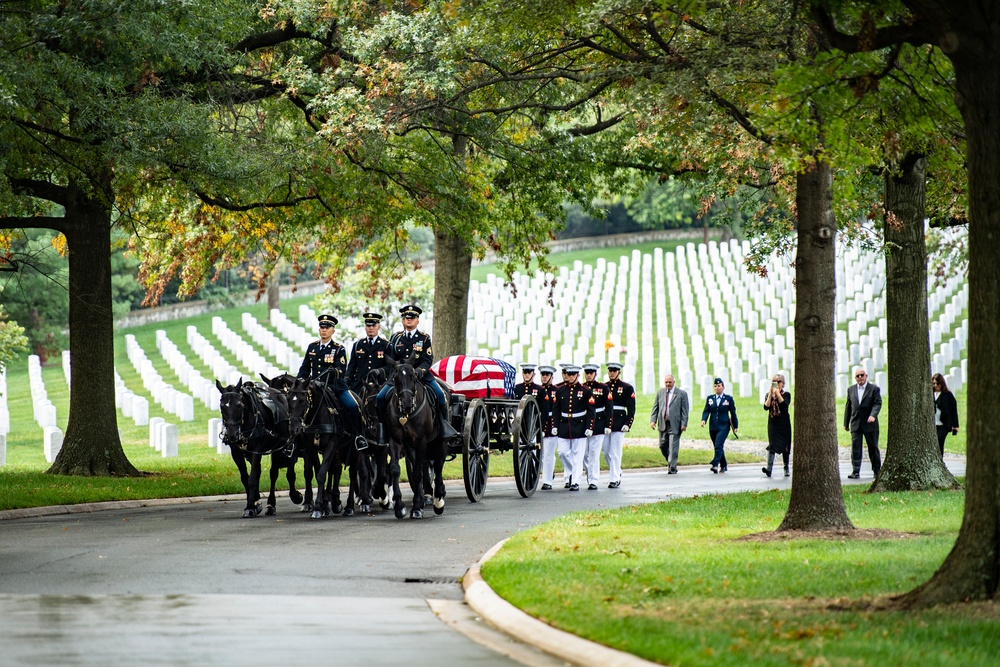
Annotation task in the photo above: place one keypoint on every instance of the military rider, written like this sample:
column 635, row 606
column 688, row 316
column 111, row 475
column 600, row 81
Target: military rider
column 321, row 356
column 368, row 353
column 412, row 342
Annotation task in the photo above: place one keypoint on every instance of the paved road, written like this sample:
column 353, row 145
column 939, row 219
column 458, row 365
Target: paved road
column 196, row 584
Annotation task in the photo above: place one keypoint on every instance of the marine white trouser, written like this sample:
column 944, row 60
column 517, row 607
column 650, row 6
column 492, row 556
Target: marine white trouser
column 549, row 445
column 614, row 442
column 591, row 458
column 569, row 454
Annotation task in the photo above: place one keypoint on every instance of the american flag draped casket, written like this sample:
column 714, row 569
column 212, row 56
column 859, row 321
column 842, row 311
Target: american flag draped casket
column 477, row 377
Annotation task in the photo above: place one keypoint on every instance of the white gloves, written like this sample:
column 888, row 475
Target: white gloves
column 625, row 428
column 607, row 431
column 555, row 431
column 588, row 433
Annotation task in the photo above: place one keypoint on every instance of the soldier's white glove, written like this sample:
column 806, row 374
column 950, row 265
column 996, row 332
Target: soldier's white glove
column 607, row 431
column 625, row 428
column 588, row 433
column 555, row 431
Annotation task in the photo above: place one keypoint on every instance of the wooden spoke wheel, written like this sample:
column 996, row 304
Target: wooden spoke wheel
column 476, row 450
column 527, row 446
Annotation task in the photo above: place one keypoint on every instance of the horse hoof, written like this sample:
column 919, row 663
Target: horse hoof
column 307, row 507
column 338, row 508
column 249, row 513
column 400, row 511
column 417, row 514
column 257, row 509
column 383, row 505
column 365, row 509
column 270, row 511
column 295, row 497
column 349, row 511
column 317, row 514
column 439, row 510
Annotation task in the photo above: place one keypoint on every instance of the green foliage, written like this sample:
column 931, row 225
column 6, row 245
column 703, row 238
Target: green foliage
column 12, row 339
column 36, row 294
column 355, row 297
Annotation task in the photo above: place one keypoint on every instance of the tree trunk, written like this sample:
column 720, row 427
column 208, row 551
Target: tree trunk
column 912, row 460
column 972, row 569
column 273, row 290
column 817, row 500
column 452, row 265
column 91, row 445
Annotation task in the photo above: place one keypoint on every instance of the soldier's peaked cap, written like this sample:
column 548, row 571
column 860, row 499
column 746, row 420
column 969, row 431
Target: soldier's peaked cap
column 591, row 368
column 327, row 318
column 613, row 366
column 410, row 310
column 371, row 318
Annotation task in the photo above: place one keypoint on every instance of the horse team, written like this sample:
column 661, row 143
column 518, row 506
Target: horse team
column 287, row 418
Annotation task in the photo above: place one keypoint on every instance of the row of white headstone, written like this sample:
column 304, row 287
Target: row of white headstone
column 163, row 437
column 288, row 356
column 169, row 398
column 711, row 298
column 245, row 353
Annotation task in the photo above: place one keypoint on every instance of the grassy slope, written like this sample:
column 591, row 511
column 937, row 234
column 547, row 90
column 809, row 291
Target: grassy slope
column 672, row 583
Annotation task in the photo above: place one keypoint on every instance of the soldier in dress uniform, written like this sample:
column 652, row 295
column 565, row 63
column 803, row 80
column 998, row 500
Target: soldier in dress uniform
column 574, row 422
column 368, row 353
column 321, row 356
column 590, row 456
column 622, row 414
column 547, row 397
column 413, row 342
column 528, row 386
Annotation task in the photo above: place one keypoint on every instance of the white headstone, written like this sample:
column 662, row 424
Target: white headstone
column 169, row 440
column 53, row 440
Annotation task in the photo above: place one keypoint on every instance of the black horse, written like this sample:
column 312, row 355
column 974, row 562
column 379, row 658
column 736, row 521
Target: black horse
column 378, row 457
column 414, row 435
column 326, row 448
column 258, row 422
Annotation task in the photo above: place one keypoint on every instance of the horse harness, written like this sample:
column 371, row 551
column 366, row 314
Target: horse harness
column 259, row 402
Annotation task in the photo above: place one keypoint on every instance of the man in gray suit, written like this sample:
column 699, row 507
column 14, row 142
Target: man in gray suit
column 670, row 418
column 864, row 400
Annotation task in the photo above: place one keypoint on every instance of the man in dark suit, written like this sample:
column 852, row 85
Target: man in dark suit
column 670, row 417
column 864, row 401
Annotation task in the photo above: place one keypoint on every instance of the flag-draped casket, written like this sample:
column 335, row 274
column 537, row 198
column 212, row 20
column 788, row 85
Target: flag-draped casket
column 477, row 377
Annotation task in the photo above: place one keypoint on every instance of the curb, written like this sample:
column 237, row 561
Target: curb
column 529, row 630
column 87, row 508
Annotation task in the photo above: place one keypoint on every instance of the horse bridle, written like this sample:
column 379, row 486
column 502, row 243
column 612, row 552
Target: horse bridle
column 246, row 435
column 406, row 416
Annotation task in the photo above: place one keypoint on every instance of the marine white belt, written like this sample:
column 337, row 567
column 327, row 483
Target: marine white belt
column 599, row 410
column 575, row 414
column 621, row 407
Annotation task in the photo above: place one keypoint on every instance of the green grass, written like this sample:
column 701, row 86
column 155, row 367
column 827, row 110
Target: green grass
column 672, row 583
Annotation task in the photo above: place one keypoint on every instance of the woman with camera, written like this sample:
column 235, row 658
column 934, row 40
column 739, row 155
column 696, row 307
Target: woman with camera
column 779, row 424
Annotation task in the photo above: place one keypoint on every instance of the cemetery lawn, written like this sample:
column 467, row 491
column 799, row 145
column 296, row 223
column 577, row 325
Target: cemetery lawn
column 674, row 583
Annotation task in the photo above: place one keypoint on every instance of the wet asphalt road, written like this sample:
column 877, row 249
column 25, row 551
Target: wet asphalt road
column 196, row 584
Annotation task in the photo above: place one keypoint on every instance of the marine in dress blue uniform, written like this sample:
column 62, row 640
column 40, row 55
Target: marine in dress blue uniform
column 528, row 386
column 550, row 442
column 573, row 414
column 590, row 457
column 622, row 415
column 720, row 414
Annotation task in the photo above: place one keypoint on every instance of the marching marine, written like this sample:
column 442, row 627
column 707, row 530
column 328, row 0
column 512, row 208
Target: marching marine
column 622, row 414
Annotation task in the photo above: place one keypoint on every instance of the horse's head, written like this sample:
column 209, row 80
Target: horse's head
column 233, row 410
column 404, row 380
column 299, row 401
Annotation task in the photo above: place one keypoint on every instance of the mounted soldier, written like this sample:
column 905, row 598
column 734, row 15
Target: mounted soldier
column 325, row 355
column 415, row 345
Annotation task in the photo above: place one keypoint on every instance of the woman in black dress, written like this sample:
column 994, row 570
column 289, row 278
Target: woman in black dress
column 779, row 424
column 945, row 410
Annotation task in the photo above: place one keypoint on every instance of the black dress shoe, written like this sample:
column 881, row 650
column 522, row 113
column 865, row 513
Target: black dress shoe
column 546, row 487
column 592, row 487
column 566, row 485
column 672, row 472
column 715, row 470
column 723, row 469
column 614, row 485
column 854, row 475
column 574, row 487
column 766, row 471
column 787, row 473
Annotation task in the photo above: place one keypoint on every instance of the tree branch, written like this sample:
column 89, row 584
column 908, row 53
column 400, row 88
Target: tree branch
column 57, row 194
column 916, row 33
column 33, row 222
